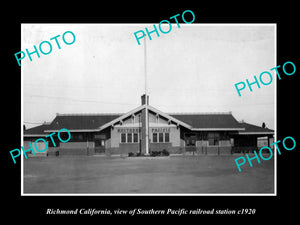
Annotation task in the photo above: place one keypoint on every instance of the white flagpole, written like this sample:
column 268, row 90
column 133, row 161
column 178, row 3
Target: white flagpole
column 146, row 101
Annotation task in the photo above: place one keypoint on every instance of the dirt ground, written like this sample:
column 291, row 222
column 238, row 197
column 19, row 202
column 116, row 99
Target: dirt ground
column 147, row 175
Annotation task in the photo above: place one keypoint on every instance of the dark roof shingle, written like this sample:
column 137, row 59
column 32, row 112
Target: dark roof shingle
column 94, row 121
column 253, row 128
column 38, row 130
column 213, row 120
column 81, row 122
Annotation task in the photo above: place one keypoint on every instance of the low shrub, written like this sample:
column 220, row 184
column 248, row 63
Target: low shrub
column 134, row 154
column 139, row 154
column 164, row 152
column 131, row 154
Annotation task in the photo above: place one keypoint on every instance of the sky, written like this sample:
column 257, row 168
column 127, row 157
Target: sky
column 192, row 69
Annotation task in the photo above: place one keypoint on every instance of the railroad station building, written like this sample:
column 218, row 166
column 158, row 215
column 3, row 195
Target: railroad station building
column 182, row 133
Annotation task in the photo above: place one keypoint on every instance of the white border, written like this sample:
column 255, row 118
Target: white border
column 166, row 194
column 275, row 117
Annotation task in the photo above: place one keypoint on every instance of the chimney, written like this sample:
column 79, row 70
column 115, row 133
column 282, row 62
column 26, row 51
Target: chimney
column 144, row 99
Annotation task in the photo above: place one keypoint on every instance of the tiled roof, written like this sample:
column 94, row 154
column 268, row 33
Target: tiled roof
column 86, row 122
column 196, row 121
column 213, row 120
column 38, row 130
column 81, row 122
column 250, row 128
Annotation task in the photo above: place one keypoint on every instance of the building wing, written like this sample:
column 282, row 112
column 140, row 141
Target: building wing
column 38, row 131
column 210, row 121
column 251, row 129
column 80, row 122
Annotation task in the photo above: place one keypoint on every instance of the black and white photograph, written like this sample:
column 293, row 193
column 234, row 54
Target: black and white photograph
column 157, row 115
column 149, row 112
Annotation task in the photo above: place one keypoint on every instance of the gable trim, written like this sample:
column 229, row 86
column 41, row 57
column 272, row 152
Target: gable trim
column 170, row 117
column 111, row 123
column 178, row 122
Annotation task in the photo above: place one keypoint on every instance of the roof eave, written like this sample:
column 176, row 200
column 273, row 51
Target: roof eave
column 77, row 130
column 34, row 135
column 258, row 133
column 217, row 129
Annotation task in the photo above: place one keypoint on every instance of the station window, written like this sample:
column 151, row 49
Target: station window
column 80, row 137
column 161, row 137
column 102, row 143
column 123, row 138
column 167, row 137
column 129, row 137
column 213, row 138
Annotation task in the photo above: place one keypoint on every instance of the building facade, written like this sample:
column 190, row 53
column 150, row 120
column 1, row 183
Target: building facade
column 110, row 134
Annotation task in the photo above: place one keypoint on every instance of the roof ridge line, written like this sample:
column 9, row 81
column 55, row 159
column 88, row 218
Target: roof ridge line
column 88, row 114
column 200, row 113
